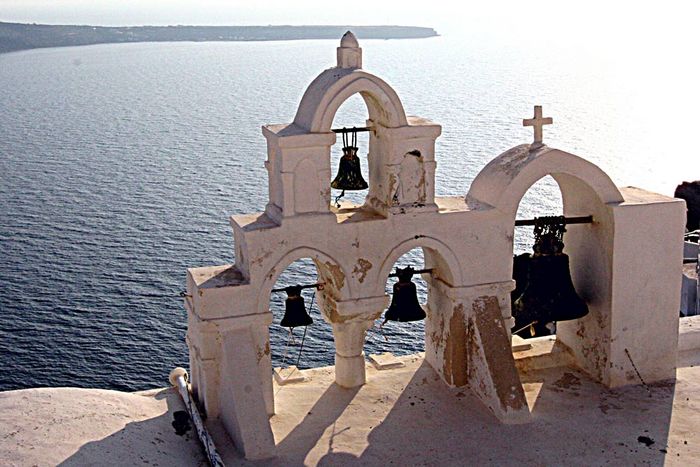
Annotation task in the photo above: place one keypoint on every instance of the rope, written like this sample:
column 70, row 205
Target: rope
column 301, row 348
column 524, row 327
column 337, row 199
column 381, row 331
column 303, row 337
column 286, row 347
column 637, row 371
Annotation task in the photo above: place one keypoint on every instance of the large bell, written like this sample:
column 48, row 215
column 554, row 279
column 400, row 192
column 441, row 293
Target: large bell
column 349, row 171
column 549, row 293
column 294, row 310
column 404, row 302
column 521, row 266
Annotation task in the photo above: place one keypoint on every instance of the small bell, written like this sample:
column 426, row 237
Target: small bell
column 294, row 310
column 349, row 172
column 549, row 294
column 404, row 302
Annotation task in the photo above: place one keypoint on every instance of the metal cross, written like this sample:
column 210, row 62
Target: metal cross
column 538, row 122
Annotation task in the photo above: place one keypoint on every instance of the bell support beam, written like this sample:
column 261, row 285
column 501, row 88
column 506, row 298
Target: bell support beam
column 352, row 130
column 419, row 271
column 318, row 286
column 555, row 220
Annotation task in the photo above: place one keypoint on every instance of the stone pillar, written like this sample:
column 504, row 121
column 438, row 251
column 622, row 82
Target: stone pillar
column 627, row 266
column 402, row 167
column 468, row 344
column 349, row 353
column 205, row 352
column 299, row 171
column 230, row 356
column 350, row 320
column 245, row 385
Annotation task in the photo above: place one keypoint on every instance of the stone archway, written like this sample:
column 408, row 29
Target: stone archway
column 438, row 255
column 504, row 180
column 331, row 88
column 586, row 190
column 330, row 271
column 299, row 153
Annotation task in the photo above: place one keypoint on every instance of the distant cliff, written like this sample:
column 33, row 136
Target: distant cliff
column 15, row 36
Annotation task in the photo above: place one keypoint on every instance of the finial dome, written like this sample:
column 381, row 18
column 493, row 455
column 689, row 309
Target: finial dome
column 349, row 52
column 349, row 40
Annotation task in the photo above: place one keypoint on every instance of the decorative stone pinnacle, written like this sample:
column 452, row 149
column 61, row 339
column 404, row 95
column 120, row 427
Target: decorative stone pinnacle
column 538, row 122
column 349, row 40
column 349, row 52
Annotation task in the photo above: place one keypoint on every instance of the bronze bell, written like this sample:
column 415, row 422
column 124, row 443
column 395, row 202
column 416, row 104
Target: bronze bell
column 349, row 172
column 549, row 294
column 294, row 310
column 404, row 302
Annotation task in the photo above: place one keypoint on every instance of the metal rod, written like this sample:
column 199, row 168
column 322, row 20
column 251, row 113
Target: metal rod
column 420, row 271
column 567, row 221
column 318, row 286
column 351, row 130
column 178, row 378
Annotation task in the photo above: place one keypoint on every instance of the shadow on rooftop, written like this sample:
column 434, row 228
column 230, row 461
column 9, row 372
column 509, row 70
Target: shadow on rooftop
column 147, row 442
column 575, row 421
column 324, row 414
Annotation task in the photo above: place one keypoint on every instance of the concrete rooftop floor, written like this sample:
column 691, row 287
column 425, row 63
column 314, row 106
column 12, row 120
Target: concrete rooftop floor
column 403, row 416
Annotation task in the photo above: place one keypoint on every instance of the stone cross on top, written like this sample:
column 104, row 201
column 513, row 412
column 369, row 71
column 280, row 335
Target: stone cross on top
column 538, row 122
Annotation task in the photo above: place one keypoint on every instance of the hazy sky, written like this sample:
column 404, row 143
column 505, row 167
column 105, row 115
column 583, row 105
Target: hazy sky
column 591, row 18
column 638, row 30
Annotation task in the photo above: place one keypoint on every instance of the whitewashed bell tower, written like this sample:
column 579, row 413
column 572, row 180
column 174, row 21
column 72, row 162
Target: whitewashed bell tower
column 630, row 276
column 401, row 149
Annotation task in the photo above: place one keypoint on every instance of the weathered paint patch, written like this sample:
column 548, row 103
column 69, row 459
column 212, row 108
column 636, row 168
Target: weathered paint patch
column 336, row 274
column 497, row 353
column 455, row 356
column 393, row 192
column 361, row 268
column 262, row 352
column 259, row 260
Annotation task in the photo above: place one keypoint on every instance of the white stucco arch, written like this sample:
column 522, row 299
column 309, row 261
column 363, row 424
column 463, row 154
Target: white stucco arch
column 320, row 260
column 334, row 86
column 504, row 181
column 448, row 263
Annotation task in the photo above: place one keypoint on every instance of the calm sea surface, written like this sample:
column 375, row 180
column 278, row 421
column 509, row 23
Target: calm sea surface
column 120, row 165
